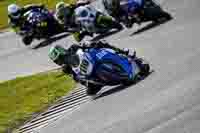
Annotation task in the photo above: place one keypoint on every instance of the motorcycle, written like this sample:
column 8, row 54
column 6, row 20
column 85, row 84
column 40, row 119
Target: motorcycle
column 138, row 11
column 109, row 68
column 39, row 24
column 92, row 21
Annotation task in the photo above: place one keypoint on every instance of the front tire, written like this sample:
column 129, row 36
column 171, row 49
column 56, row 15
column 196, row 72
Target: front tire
column 93, row 89
column 154, row 12
column 27, row 40
column 117, row 25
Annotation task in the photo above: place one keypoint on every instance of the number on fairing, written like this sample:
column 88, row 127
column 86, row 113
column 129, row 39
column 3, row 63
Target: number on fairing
column 101, row 54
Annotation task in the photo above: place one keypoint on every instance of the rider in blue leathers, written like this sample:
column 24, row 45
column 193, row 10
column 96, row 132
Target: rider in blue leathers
column 70, row 60
column 120, row 9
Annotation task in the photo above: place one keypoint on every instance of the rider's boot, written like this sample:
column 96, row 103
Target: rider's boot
column 108, row 21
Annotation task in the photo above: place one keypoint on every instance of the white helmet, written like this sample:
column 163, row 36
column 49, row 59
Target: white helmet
column 14, row 11
column 82, row 2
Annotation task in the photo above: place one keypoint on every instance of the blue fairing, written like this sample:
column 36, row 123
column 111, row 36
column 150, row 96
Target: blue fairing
column 34, row 18
column 132, row 5
column 109, row 66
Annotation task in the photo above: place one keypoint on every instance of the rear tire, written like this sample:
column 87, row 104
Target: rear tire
column 144, row 67
column 117, row 25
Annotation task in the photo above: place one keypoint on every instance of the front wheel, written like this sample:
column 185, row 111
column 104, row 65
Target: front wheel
column 117, row 25
column 154, row 12
column 93, row 89
column 163, row 17
column 27, row 40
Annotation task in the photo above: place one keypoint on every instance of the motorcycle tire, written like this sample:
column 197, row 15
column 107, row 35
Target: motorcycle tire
column 153, row 12
column 144, row 66
column 93, row 89
column 117, row 25
column 27, row 40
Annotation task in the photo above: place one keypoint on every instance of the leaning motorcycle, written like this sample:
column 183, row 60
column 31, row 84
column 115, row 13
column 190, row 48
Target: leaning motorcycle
column 110, row 68
column 39, row 24
column 137, row 11
column 92, row 21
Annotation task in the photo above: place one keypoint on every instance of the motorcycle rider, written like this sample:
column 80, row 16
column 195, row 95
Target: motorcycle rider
column 71, row 16
column 65, row 12
column 89, row 19
column 70, row 62
column 118, row 9
column 15, row 15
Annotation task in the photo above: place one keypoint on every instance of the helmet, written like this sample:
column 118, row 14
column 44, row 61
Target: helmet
column 60, row 5
column 14, row 11
column 82, row 2
column 57, row 54
column 62, row 56
column 62, row 9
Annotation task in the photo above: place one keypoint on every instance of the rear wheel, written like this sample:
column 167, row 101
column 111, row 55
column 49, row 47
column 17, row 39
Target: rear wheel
column 144, row 66
column 117, row 25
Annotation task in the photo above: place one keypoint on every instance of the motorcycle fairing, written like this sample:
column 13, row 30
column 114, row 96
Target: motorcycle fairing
column 109, row 66
column 130, row 6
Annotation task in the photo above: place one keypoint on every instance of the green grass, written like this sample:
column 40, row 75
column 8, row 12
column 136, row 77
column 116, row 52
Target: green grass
column 20, row 98
column 4, row 3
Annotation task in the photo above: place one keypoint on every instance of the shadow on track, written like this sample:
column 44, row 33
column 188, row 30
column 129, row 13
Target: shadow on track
column 51, row 40
column 120, row 88
column 101, row 36
column 150, row 26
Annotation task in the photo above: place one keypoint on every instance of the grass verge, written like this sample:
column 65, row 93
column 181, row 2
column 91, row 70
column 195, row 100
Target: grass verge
column 4, row 4
column 22, row 97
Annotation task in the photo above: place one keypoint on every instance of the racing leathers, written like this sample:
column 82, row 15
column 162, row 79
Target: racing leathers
column 71, row 59
column 66, row 15
column 91, row 20
column 122, row 9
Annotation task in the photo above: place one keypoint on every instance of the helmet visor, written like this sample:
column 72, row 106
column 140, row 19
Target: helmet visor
column 60, row 60
column 15, row 15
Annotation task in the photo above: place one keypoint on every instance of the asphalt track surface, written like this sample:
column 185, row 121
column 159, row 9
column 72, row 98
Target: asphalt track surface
column 168, row 101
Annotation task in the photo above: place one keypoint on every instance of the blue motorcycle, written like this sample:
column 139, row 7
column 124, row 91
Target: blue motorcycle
column 39, row 24
column 136, row 11
column 101, row 67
